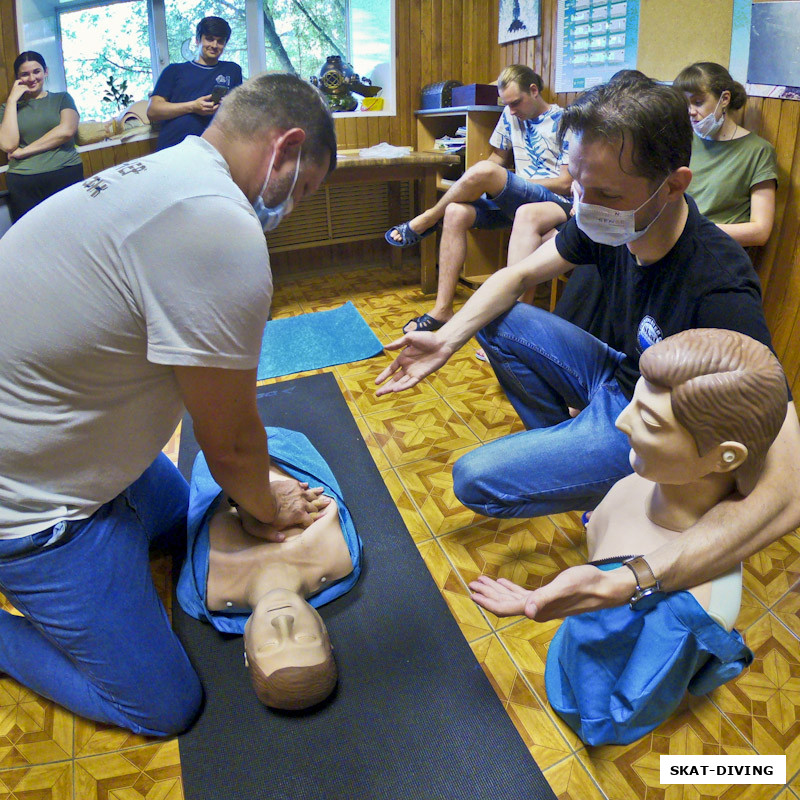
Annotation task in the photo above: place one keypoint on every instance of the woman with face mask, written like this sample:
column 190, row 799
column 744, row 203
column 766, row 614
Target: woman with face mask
column 734, row 171
column 37, row 130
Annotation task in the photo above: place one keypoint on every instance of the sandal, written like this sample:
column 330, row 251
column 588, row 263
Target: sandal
column 480, row 354
column 425, row 324
column 409, row 237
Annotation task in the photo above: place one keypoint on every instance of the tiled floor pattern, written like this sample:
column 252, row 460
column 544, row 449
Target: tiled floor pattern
column 415, row 437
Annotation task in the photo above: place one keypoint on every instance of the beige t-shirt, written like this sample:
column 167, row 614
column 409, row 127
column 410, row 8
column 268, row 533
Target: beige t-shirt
column 103, row 288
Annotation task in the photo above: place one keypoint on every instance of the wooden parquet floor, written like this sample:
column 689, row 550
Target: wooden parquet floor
column 415, row 437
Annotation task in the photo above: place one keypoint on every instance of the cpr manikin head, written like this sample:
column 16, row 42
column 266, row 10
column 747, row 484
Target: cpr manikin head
column 288, row 653
column 727, row 394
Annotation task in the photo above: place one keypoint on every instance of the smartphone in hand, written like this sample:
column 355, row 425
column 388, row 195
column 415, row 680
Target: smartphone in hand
column 217, row 93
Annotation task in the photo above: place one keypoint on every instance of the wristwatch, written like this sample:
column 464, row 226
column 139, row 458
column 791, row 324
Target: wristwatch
column 648, row 588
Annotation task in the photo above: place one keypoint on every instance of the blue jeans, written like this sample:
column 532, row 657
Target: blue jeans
column 544, row 365
column 498, row 211
column 95, row 637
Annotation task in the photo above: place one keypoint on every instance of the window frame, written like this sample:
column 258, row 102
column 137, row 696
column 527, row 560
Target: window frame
column 159, row 49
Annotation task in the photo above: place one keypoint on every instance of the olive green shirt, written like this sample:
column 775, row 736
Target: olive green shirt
column 35, row 118
column 723, row 173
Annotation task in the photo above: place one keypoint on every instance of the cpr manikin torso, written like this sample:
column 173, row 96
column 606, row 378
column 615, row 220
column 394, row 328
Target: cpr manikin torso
column 284, row 635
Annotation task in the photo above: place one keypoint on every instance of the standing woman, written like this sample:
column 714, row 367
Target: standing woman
column 38, row 132
column 734, row 171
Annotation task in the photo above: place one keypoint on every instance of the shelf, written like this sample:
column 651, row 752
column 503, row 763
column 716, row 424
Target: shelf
column 450, row 112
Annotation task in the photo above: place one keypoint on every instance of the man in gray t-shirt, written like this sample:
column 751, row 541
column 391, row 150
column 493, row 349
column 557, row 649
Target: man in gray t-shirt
column 147, row 295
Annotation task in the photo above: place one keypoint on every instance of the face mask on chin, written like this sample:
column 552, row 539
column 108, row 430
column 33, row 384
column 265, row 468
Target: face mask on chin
column 270, row 216
column 609, row 226
column 708, row 127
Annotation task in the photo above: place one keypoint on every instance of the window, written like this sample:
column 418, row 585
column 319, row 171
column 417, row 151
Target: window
column 87, row 41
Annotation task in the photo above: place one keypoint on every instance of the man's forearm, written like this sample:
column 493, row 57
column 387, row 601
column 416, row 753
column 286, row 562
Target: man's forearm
column 242, row 471
column 161, row 109
column 501, row 290
column 557, row 185
column 735, row 529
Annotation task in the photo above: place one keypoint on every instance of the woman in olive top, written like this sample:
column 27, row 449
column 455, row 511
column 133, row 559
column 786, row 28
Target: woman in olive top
column 734, row 172
column 38, row 132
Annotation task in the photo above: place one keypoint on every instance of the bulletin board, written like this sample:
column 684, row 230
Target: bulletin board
column 596, row 38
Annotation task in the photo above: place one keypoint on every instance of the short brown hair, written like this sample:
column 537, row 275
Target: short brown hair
column 294, row 688
column 724, row 386
column 283, row 101
column 523, row 76
column 706, row 77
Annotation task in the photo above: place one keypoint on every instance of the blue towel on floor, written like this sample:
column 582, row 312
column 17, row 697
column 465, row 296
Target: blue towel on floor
column 313, row 341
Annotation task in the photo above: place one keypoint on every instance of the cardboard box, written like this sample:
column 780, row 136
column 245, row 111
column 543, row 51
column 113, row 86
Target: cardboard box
column 475, row 94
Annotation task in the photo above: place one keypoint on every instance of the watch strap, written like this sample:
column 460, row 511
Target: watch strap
column 644, row 575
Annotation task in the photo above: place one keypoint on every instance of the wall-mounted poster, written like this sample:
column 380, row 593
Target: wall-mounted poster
column 594, row 39
column 519, row 19
column 765, row 49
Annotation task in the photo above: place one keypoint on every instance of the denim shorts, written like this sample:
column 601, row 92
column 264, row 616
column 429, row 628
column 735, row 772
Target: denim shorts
column 498, row 211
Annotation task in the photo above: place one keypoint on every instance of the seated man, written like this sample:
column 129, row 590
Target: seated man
column 528, row 128
column 187, row 96
column 705, row 411
column 664, row 268
column 241, row 583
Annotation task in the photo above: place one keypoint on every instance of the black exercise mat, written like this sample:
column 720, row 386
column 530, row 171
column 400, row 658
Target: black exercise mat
column 413, row 716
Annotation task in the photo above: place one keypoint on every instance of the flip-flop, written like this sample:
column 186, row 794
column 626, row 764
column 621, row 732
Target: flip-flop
column 480, row 354
column 426, row 323
column 409, row 236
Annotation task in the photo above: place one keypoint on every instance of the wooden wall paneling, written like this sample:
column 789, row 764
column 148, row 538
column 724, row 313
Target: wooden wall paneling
column 785, row 146
column 454, row 42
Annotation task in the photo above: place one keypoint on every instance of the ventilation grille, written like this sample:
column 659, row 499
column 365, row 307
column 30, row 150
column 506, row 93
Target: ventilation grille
column 346, row 213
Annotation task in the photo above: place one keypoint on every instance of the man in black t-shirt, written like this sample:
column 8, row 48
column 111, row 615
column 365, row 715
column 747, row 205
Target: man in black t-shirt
column 664, row 269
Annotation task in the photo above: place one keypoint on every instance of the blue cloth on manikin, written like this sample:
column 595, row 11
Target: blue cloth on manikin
column 614, row 675
column 296, row 455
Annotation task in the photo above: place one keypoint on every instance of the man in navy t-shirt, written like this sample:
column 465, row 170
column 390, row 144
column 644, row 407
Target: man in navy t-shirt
column 664, row 268
column 187, row 95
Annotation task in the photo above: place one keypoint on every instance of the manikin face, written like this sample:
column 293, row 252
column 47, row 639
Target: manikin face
column 211, row 49
column 662, row 450
column 599, row 179
column 701, row 104
column 520, row 104
column 285, row 631
column 32, row 74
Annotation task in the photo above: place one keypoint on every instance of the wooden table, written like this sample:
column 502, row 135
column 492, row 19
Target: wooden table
column 422, row 167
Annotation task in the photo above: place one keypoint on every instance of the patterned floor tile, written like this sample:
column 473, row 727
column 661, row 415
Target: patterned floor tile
column 751, row 609
column 696, row 728
column 419, row 531
column 145, row 773
column 770, row 573
column 94, row 738
column 362, row 388
column 32, row 730
column 527, row 642
column 529, row 552
column 369, row 366
column 286, row 310
column 423, row 430
column 465, row 612
column 46, row 782
column 787, row 610
column 764, row 700
column 541, row 737
column 430, row 485
column 489, row 415
column 465, row 373
column 381, row 462
column 570, row 781
column 571, row 524
column 171, row 448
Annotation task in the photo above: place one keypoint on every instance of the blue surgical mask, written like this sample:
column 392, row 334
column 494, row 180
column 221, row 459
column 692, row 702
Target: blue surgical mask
column 609, row 226
column 708, row 127
column 271, row 216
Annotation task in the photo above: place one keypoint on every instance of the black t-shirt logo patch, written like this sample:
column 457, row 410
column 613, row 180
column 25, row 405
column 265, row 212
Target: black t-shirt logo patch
column 648, row 334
